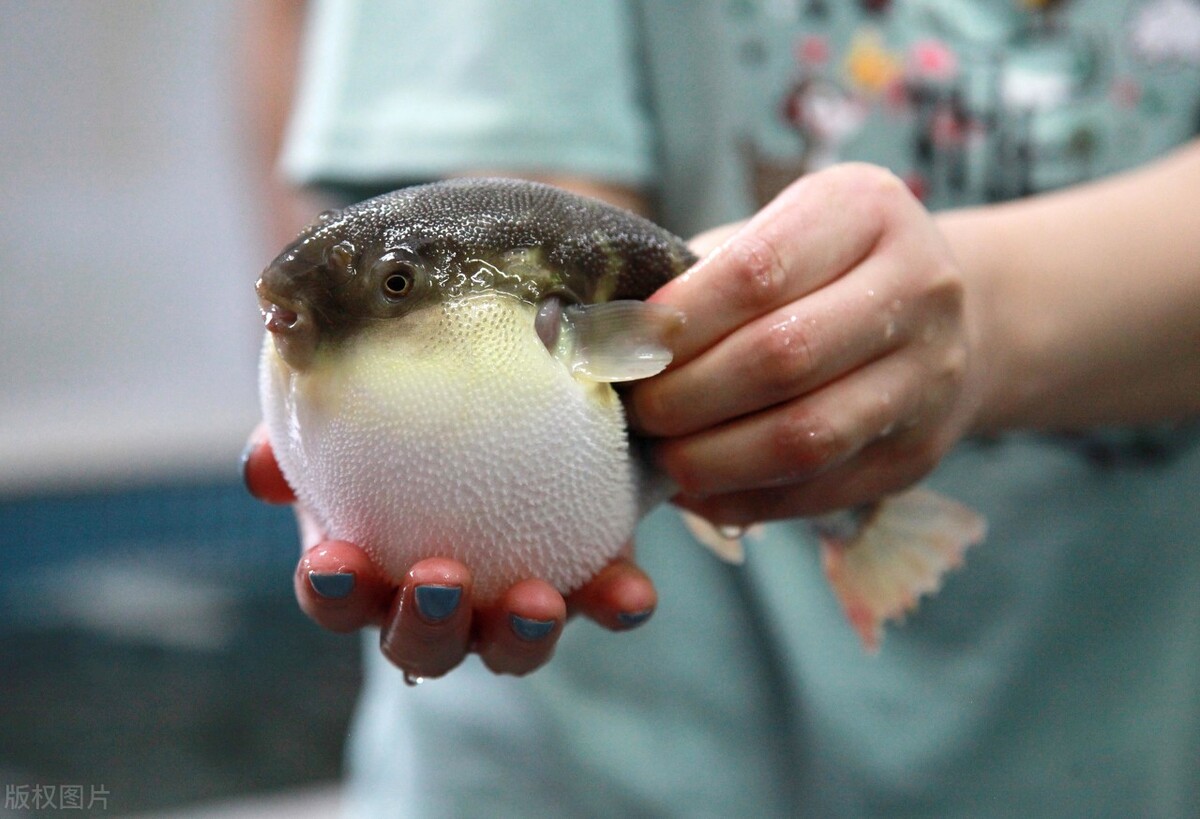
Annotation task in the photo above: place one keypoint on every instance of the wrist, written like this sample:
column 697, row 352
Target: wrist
column 994, row 393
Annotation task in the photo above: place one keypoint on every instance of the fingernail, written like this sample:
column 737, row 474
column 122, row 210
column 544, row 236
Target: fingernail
column 246, row 453
column 530, row 630
column 332, row 585
column 629, row 619
column 437, row 603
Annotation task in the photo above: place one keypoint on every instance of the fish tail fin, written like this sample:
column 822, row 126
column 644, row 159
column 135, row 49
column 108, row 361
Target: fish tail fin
column 881, row 560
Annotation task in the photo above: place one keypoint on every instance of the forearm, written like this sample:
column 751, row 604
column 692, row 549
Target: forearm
column 1086, row 303
column 270, row 52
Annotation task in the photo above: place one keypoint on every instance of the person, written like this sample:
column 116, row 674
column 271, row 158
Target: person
column 983, row 317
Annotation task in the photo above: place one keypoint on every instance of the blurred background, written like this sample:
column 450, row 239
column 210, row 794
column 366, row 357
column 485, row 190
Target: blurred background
column 150, row 647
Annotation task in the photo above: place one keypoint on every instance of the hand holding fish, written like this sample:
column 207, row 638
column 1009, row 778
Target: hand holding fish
column 827, row 359
column 437, row 387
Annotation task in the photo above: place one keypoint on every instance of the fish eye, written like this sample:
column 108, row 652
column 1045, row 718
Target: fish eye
column 396, row 273
column 397, row 285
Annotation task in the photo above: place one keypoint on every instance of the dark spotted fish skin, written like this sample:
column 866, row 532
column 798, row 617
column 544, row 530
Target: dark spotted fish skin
column 529, row 239
column 585, row 239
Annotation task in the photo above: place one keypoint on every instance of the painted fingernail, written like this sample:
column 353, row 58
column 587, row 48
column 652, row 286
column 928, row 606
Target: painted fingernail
column 436, row 603
column 332, row 585
column 530, row 630
column 630, row 619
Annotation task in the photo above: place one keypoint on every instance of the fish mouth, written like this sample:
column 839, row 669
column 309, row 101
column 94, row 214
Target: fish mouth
column 289, row 324
column 280, row 316
column 277, row 318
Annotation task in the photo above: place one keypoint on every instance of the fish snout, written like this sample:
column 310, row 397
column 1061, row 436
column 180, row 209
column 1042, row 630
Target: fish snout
column 290, row 324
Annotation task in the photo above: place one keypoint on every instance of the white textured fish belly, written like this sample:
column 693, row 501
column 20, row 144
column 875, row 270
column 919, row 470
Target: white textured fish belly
column 455, row 433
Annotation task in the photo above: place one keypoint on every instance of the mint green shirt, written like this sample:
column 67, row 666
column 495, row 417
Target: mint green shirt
column 1058, row 672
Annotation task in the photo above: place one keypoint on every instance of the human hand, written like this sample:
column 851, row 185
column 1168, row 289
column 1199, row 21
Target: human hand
column 827, row 359
column 429, row 622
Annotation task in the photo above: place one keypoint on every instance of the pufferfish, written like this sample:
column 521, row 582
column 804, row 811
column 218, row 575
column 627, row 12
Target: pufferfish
column 437, row 380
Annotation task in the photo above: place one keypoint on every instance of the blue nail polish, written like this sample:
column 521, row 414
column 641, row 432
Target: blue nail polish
column 333, row 585
column 530, row 630
column 436, row 603
column 629, row 619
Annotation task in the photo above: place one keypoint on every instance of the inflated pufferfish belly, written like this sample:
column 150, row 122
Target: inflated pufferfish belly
column 473, row 443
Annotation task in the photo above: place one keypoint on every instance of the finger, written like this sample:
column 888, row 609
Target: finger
column 619, row 598
column 261, row 472
column 784, row 354
column 818, row 228
column 519, row 634
column 340, row 588
column 427, row 631
column 883, row 468
column 802, row 439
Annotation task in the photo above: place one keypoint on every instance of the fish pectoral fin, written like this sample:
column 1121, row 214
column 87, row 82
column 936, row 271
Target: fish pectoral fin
column 722, row 544
column 895, row 552
column 619, row 340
